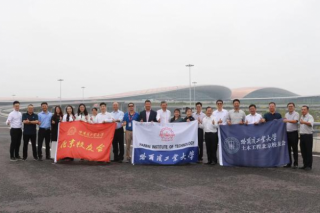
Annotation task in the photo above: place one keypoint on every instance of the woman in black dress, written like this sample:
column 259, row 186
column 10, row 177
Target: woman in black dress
column 55, row 120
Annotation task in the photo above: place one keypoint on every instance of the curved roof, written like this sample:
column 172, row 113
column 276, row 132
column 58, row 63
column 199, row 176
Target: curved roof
column 261, row 92
column 178, row 93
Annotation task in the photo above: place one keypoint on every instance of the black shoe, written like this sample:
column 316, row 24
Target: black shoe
column 295, row 167
column 39, row 159
column 24, row 159
column 119, row 161
column 19, row 158
column 209, row 163
column 308, row 169
column 48, row 159
column 13, row 159
column 287, row 166
column 200, row 161
column 213, row 163
column 35, row 158
column 114, row 160
column 303, row 167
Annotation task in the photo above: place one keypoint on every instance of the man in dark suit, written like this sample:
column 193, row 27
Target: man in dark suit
column 148, row 115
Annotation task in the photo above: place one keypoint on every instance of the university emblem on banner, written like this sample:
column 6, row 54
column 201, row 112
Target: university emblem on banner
column 72, row 131
column 166, row 134
column 231, row 145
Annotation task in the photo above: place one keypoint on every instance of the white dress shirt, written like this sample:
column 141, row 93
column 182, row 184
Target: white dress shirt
column 64, row 119
column 197, row 116
column 15, row 119
column 221, row 115
column 93, row 119
column 104, row 117
column 294, row 116
column 305, row 129
column 252, row 119
column 207, row 124
column 163, row 116
column 118, row 115
column 82, row 117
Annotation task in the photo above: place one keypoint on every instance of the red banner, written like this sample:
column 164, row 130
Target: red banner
column 82, row 140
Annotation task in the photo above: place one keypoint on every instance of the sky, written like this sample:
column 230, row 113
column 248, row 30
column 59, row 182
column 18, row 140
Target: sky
column 118, row 46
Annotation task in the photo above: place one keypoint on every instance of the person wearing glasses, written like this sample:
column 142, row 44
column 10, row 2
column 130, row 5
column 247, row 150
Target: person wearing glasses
column 221, row 114
column 128, row 117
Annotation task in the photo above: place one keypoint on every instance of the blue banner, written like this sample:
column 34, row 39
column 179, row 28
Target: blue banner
column 263, row 145
column 181, row 156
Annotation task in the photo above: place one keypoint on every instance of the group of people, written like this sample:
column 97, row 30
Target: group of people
column 208, row 127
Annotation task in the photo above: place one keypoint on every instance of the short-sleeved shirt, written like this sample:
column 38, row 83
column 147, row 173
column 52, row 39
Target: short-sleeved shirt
column 252, row 119
column 235, row 117
column 294, row 116
column 29, row 129
column 221, row 115
column 45, row 119
column 129, row 118
column 305, row 129
column 270, row 117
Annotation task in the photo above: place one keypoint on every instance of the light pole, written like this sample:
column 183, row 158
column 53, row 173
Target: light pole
column 82, row 93
column 60, row 89
column 189, row 65
column 194, row 91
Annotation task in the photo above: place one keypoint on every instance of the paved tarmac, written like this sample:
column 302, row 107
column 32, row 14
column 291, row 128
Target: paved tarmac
column 34, row 186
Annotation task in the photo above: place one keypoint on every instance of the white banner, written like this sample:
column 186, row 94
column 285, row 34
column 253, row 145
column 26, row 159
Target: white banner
column 168, row 144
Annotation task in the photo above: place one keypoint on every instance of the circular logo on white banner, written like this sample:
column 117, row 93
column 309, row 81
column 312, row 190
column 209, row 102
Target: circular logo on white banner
column 231, row 145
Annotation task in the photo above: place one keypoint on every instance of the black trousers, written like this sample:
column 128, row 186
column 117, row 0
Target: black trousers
column 200, row 144
column 118, row 144
column 306, row 143
column 293, row 140
column 16, row 135
column 44, row 134
column 26, row 139
column 212, row 146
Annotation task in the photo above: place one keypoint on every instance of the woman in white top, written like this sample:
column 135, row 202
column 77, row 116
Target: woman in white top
column 69, row 116
column 82, row 114
column 93, row 118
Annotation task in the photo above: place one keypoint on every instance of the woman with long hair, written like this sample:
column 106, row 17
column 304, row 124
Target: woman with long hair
column 69, row 116
column 55, row 120
column 82, row 114
column 177, row 117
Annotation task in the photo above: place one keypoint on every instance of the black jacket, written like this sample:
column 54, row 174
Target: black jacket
column 152, row 116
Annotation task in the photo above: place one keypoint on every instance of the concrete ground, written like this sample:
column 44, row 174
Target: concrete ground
column 34, row 186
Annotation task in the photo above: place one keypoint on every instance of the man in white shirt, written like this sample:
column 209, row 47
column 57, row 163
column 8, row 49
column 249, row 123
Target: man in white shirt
column 15, row 122
column 221, row 114
column 163, row 115
column 104, row 116
column 306, row 138
column 210, row 127
column 292, row 120
column 253, row 117
column 199, row 115
column 118, row 140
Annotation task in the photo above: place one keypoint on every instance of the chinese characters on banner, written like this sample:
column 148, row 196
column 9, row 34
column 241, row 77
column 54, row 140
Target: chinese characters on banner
column 263, row 145
column 169, row 144
column 82, row 140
